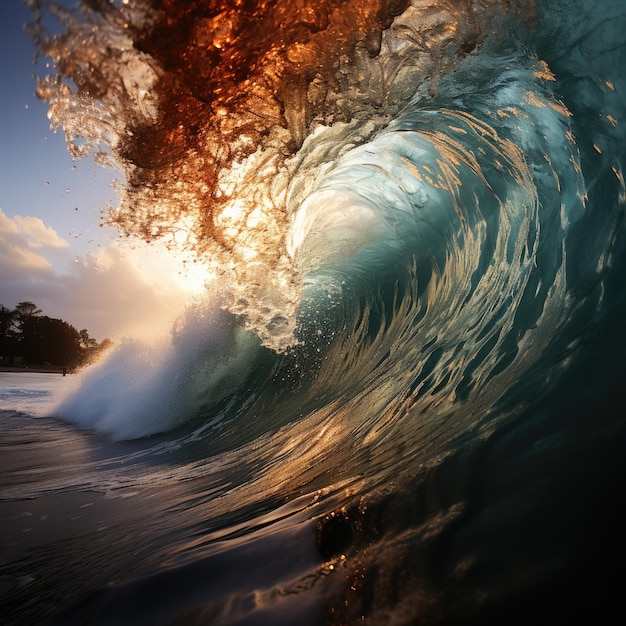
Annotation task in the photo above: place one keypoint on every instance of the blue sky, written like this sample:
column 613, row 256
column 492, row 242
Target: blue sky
column 52, row 248
column 38, row 174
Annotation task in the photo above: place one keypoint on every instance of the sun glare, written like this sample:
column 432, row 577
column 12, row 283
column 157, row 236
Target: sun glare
column 177, row 270
column 194, row 275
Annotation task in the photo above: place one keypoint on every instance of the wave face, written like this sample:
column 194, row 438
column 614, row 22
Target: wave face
column 413, row 212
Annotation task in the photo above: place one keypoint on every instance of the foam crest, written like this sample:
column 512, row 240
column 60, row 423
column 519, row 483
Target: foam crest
column 141, row 389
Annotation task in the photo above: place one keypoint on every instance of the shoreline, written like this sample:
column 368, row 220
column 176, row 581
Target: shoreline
column 32, row 370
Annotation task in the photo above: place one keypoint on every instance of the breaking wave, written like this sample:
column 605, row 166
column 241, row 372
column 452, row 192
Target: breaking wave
column 411, row 214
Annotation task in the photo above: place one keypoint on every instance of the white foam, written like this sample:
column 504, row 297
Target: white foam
column 145, row 388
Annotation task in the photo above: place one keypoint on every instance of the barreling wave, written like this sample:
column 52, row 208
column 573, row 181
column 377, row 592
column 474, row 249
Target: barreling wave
column 412, row 211
column 392, row 194
column 202, row 105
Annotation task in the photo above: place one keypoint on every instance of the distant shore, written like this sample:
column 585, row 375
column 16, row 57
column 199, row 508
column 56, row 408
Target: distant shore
column 33, row 370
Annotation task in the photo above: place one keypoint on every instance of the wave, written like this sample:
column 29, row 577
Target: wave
column 413, row 216
column 431, row 236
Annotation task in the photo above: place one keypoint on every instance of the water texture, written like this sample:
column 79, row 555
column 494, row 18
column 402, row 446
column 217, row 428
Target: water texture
column 398, row 403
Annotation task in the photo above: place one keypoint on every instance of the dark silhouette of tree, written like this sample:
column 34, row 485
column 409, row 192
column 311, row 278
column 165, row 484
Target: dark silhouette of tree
column 86, row 341
column 26, row 310
column 7, row 323
column 91, row 349
column 48, row 341
column 45, row 341
column 7, row 320
column 8, row 339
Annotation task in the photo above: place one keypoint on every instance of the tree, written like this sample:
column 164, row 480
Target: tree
column 91, row 349
column 48, row 341
column 8, row 340
column 7, row 321
column 86, row 341
column 25, row 311
column 44, row 341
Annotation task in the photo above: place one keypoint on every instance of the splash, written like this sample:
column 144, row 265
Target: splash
column 145, row 387
column 205, row 105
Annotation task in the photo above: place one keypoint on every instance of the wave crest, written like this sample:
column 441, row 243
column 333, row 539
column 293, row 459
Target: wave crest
column 201, row 103
column 419, row 201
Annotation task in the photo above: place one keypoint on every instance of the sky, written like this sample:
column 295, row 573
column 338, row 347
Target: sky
column 53, row 251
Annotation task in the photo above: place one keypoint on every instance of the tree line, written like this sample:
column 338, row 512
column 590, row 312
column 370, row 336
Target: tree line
column 29, row 338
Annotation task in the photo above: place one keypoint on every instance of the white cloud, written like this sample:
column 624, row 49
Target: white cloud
column 38, row 234
column 113, row 296
column 18, row 258
column 8, row 226
column 16, row 246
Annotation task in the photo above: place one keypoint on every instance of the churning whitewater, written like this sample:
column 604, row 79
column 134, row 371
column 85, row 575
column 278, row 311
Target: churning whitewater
column 395, row 403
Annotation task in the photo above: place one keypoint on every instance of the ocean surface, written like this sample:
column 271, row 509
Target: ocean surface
column 399, row 401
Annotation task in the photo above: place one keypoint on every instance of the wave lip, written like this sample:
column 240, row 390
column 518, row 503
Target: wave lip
column 199, row 106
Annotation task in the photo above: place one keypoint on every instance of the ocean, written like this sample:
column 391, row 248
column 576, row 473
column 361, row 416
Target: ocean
column 398, row 402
